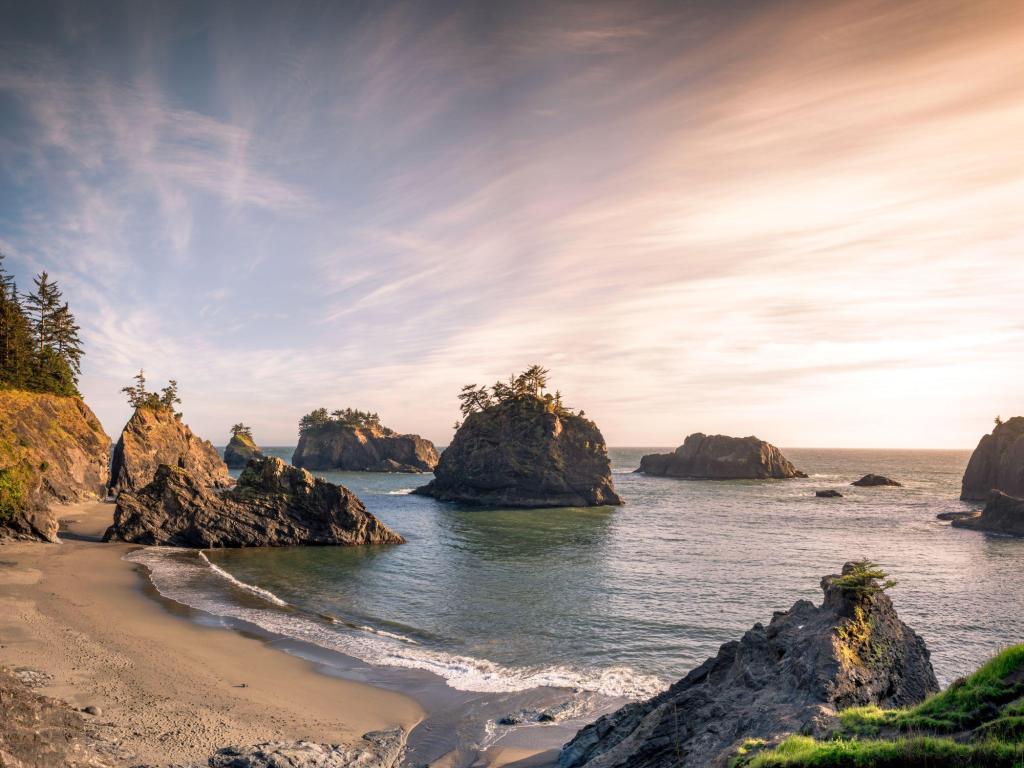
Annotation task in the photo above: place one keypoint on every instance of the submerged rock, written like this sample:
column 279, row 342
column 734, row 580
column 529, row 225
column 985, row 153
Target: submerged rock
column 519, row 453
column 828, row 494
column 789, row 677
column 272, row 505
column 1002, row 514
column 240, row 450
column 53, row 450
column 997, row 463
column 720, row 457
column 873, row 481
column 380, row 749
column 155, row 436
column 338, row 446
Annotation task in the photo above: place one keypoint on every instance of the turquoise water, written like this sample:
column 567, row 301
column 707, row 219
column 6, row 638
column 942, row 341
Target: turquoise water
column 623, row 601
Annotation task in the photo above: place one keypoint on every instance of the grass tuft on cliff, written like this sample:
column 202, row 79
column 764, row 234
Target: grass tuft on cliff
column 976, row 721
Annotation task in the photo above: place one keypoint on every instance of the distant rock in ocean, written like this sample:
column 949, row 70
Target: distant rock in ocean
column 155, row 436
column 241, row 449
column 334, row 445
column 1003, row 514
column 875, row 481
column 997, row 463
column 523, row 452
column 53, row 450
column 830, row 494
column 792, row 676
column 719, row 457
column 272, row 505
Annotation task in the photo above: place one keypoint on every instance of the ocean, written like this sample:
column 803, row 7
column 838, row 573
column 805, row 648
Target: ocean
column 614, row 604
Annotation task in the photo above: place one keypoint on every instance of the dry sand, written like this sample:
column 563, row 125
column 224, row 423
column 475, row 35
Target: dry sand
column 168, row 688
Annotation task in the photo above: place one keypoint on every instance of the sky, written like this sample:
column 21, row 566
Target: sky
column 803, row 221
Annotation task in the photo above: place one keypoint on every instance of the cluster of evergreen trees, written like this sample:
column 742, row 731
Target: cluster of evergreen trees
column 40, row 349
column 242, row 431
column 531, row 382
column 140, row 397
column 348, row 417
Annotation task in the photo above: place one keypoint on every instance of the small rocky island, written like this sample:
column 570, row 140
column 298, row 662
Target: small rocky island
column 155, row 435
column 272, row 505
column 520, row 446
column 355, row 441
column 997, row 463
column 241, row 449
column 1003, row 514
column 719, row 457
column 876, row 481
column 792, row 676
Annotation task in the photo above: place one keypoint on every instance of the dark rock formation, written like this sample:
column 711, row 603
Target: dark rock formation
column 519, row 453
column 363, row 449
column 789, row 677
column 828, row 494
column 53, row 450
column 155, row 436
column 873, row 481
column 272, row 505
column 379, row 749
column 719, row 457
column 1002, row 514
column 240, row 451
column 997, row 463
column 956, row 515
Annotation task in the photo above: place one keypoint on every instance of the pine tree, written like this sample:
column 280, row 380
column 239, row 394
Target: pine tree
column 15, row 334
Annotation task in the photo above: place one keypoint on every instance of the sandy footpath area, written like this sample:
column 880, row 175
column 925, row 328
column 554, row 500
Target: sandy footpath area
column 169, row 689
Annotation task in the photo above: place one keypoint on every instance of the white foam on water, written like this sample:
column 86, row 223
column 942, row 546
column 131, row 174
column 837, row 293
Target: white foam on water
column 266, row 594
column 179, row 575
column 401, row 492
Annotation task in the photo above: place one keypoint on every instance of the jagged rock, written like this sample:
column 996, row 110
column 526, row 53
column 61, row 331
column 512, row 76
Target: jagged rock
column 719, row 457
column 1002, row 514
column 828, row 494
column 518, row 453
column 789, row 677
column 363, row 449
column 997, row 463
column 380, row 749
column 155, row 436
column 273, row 505
column 955, row 515
column 52, row 450
column 240, row 450
column 873, row 481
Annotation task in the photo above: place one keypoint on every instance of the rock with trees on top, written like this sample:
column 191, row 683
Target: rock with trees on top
column 352, row 440
column 241, row 449
column 997, row 463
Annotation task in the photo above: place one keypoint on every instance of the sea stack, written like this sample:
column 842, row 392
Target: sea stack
column 272, row 505
column 719, row 457
column 997, row 463
column 241, row 449
column 1003, row 514
column 876, row 481
column 356, row 441
column 792, row 676
column 53, row 450
column 156, row 435
column 520, row 448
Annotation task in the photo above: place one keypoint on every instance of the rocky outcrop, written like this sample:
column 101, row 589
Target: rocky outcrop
column 155, row 436
column 719, row 457
column 519, row 453
column 363, row 449
column 379, row 749
column 240, row 450
column 997, row 463
column 53, row 450
column 875, row 481
column 828, row 494
column 1003, row 514
column 272, row 505
column 789, row 677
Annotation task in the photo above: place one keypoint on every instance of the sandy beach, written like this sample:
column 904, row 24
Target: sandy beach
column 169, row 689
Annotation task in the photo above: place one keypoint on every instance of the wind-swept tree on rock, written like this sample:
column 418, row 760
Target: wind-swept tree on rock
column 241, row 430
column 140, row 397
column 530, row 383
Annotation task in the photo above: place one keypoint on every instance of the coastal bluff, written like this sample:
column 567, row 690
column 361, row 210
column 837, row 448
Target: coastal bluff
column 791, row 676
column 53, row 450
column 338, row 446
column 997, row 463
column 720, row 457
column 272, row 505
column 521, row 453
column 155, row 436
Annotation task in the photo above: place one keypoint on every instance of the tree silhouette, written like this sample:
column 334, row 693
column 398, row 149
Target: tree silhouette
column 241, row 430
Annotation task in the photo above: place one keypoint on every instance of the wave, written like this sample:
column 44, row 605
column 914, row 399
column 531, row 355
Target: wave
column 400, row 492
column 181, row 576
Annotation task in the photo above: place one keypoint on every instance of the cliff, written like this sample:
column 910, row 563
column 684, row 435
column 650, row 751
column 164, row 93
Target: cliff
column 518, row 453
column 1003, row 514
column 997, row 463
column 363, row 449
column 719, row 457
column 52, row 450
column 155, row 436
column 792, row 676
column 272, row 505
column 240, row 450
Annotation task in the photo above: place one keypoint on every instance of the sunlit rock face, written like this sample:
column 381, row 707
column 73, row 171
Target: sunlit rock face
column 997, row 463
column 719, row 457
column 240, row 450
column 363, row 449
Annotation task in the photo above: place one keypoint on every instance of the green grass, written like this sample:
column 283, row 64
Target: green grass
column 14, row 485
column 905, row 752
